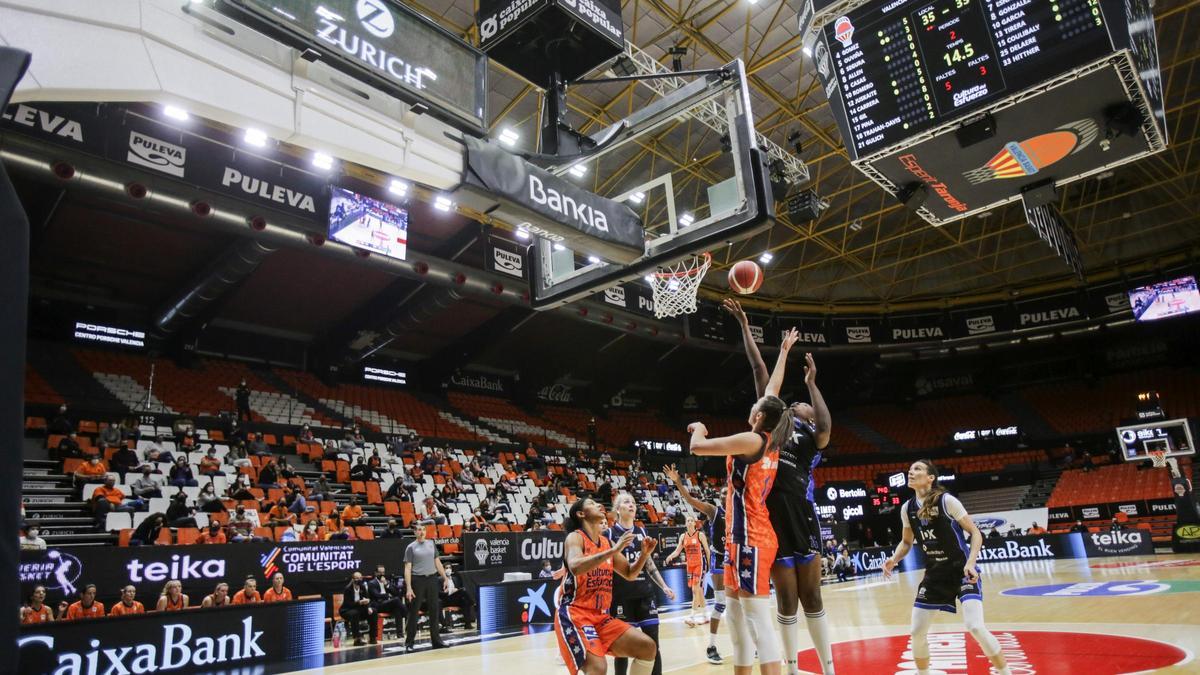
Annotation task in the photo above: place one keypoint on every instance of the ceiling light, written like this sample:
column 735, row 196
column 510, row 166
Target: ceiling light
column 256, row 138
column 176, row 113
column 766, row 257
column 593, row 260
column 322, row 161
column 649, row 278
column 856, row 225
column 522, row 233
column 686, row 219
column 578, row 170
column 807, row 51
column 443, row 203
column 509, row 137
column 559, row 247
column 637, row 197
column 398, row 187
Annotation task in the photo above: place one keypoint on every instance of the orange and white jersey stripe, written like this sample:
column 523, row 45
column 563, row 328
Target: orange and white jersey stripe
column 747, row 521
column 593, row 590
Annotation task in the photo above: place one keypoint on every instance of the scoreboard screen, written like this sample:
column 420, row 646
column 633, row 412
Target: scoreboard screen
column 906, row 66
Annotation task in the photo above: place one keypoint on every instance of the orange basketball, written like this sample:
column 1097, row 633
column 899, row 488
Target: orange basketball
column 745, row 277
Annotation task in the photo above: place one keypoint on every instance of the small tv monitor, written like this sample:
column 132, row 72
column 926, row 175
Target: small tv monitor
column 369, row 224
column 1165, row 299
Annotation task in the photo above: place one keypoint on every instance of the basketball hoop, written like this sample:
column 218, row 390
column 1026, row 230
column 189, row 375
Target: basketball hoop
column 1159, row 458
column 675, row 287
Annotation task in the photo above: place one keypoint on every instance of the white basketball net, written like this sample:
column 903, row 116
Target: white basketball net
column 675, row 287
column 1159, row 459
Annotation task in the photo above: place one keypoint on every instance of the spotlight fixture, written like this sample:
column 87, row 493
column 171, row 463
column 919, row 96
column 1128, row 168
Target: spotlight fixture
column 793, row 139
column 509, row 137
column 322, row 161
column 176, row 113
column 637, row 197
column 856, row 225
column 623, row 66
column 398, row 187
column 578, row 170
column 686, row 219
column 522, row 233
column 726, row 143
column 256, row 137
column 593, row 260
column 677, row 53
column 443, row 203
column 766, row 257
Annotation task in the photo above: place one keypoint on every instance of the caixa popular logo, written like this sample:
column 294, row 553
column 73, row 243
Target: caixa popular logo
column 181, row 567
column 57, row 570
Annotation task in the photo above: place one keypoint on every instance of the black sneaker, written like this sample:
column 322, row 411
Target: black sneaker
column 714, row 657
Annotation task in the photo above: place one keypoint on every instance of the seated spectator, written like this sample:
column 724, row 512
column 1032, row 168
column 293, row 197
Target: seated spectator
column 36, row 611
column 547, row 570
column 148, row 531
column 179, row 512
column 109, row 436
column 259, row 446
column 321, row 492
column 480, row 520
column 1037, row 529
column 268, row 475
column 241, row 528
column 145, row 486
column 311, row 532
column 129, row 429
column 124, row 460
column 450, row 492
column 127, row 605
column 296, row 503
column 62, row 422
column 68, row 447
column 237, row 457
column 305, row 435
column 1115, row 526
column 86, row 607
column 249, row 594
column 994, row 533
column 332, row 449
column 428, row 513
column 429, row 463
column 1079, row 527
column 467, row 476
column 510, row 486
column 109, row 497
column 535, row 517
column 218, row 598
column 157, row 453
column 357, row 610
column 187, row 443
column 360, row 441
column 347, row 445
column 181, row 474
column 285, row 470
column 172, row 598
column 208, row 501
column 213, row 535
column 239, row 489
column 210, row 464
column 30, row 541
column 341, row 532
column 392, row 531
column 91, row 471
column 397, row 492
column 352, row 513
column 375, row 463
column 387, row 596
column 277, row 592
column 360, row 471
column 453, row 595
column 280, row 516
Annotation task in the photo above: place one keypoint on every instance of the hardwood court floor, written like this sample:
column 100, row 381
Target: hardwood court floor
column 1118, row 615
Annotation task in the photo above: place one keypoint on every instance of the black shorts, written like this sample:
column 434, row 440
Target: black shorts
column 794, row 519
column 636, row 610
column 943, row 585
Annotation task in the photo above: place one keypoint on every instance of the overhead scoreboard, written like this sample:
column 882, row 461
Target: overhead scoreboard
column 972, row 100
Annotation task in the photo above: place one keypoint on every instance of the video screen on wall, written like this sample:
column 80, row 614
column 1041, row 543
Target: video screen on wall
column 1164, row 299
column 367, row 223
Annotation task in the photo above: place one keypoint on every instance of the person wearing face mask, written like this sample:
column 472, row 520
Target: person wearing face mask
column 31, row 541
column 145, row 487
column 181, row 474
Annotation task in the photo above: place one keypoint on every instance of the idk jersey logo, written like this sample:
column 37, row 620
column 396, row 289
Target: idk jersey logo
column 1026, row 651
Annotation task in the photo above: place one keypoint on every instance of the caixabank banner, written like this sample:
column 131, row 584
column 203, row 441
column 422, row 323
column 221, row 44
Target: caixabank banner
column 227, row 639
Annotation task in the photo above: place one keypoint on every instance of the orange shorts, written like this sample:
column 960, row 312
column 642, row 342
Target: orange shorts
column 695, row 575
column 748, row 568
column 581, row 631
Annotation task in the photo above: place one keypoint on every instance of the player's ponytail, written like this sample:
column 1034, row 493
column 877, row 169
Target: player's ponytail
column 777, row 418
column 935, row 491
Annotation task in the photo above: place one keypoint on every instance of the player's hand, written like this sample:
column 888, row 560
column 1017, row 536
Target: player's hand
column 888, row 566
column 625, row 540
column 669, row 593
column 648, row 545
column 970, row 572
column 670, row 471
column 695, row 427
column 790, row 337
column 410, row 596
column 735, row 308
column 810, row 369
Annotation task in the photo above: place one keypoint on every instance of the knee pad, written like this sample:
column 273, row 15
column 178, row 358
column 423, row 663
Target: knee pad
column 718, row 609
column 739, row 634
column 761, row 617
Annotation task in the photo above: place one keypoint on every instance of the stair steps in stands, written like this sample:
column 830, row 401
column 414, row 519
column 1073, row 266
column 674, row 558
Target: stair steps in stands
column 1028, row 419
column 1039, row 492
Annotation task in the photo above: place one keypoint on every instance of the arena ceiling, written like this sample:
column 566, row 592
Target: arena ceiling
column 866, row 251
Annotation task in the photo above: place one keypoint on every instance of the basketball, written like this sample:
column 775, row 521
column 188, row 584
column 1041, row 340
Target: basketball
column 745, row 277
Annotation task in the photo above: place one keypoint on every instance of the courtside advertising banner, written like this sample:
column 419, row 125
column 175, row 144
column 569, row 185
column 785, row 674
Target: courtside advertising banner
column 242, row 638
column 483, row 550
column 1017, row 521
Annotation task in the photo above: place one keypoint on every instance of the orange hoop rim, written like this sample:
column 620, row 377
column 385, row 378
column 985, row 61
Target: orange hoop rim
column 705, row 256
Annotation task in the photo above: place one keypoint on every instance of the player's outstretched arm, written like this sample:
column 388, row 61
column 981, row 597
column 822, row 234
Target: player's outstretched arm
column 821, row 411
column 776, row 382
column 703, row 507
column 757, row 365
column 744, row 444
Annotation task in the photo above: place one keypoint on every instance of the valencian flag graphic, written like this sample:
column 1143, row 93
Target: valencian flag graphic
column 1026, row 158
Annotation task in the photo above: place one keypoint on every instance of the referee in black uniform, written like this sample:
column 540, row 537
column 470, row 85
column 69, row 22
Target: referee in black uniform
column 421, row 571
column 635, row 602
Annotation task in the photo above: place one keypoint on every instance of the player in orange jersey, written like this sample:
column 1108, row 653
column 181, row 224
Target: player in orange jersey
column 751, row 460
column 127, row 604
column 694, row 546
column 37, row 611
column 586, row 632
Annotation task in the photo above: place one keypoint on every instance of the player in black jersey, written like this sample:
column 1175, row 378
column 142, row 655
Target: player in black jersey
column 715, row 513
column 940, row 525
column 634, row 602
column 796, row 573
